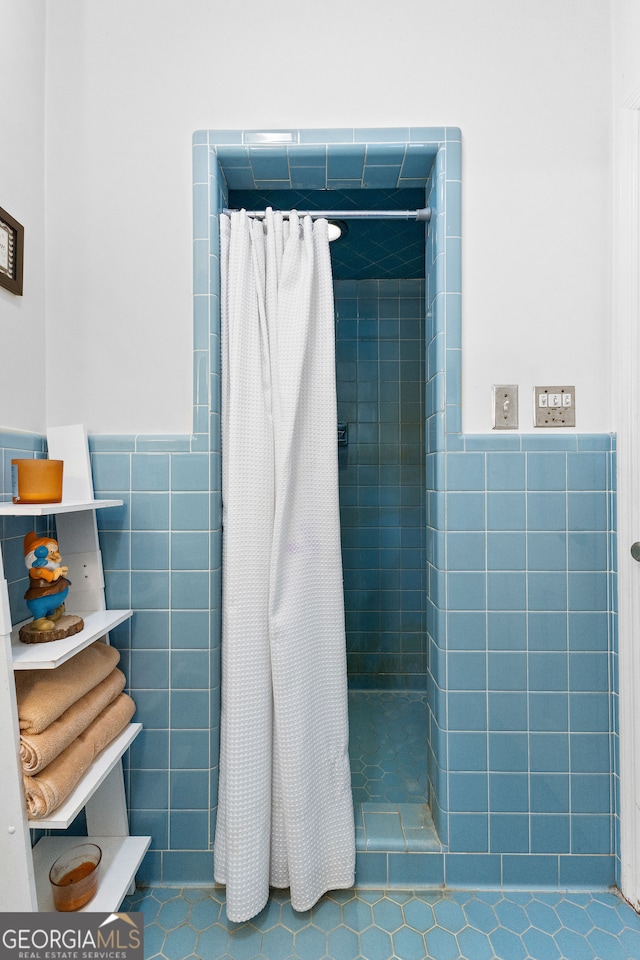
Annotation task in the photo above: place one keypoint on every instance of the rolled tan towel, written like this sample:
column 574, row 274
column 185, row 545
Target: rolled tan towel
column 39, row 749
column 44, row 695
column 46, row 791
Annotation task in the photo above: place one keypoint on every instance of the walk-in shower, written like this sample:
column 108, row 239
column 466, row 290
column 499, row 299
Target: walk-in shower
column 397, row 304
column 379, row 293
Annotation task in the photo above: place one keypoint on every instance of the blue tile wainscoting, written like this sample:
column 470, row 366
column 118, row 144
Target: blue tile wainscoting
column 522, row 664
column 162, row 557
column 517, row 637
column 523, row 672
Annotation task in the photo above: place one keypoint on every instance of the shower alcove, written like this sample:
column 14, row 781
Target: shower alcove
column 397, row 364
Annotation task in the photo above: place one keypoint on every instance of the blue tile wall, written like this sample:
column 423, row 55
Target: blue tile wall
column 162, row 556
column 380, row 383
column 522, row 646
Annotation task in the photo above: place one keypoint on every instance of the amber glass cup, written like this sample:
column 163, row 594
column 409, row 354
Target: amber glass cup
column 36, row 481
column 74, row 876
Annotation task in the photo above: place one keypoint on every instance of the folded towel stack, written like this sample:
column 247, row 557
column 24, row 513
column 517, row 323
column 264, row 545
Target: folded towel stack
column 66, row 717
column 37, row 750
column 46, row 791
column 44, row 695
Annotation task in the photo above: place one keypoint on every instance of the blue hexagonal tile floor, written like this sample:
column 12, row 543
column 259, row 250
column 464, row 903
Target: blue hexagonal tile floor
column 189, row 923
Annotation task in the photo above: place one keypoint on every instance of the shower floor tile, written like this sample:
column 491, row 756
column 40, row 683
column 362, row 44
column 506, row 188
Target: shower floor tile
column 190, row 922
column 388, row 753
column 388, row 746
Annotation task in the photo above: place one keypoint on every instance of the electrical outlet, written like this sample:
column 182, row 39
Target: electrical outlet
column 505, row 406
column 554, row 406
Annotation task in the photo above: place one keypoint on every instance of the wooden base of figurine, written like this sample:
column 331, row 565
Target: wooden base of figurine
column 66, row 626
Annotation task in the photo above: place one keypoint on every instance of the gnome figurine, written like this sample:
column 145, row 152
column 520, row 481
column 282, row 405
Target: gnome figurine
column 48, row 589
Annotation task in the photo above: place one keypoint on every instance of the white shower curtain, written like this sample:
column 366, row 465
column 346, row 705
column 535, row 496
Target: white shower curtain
column 285, row 814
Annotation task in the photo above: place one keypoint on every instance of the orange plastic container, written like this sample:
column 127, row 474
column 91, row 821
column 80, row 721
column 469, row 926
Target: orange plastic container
column 36, row 481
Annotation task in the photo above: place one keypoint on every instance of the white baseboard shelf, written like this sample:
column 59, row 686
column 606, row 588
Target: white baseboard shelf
column 121, row 857
column 10, row 509
column 65, row 814
column 51, row 653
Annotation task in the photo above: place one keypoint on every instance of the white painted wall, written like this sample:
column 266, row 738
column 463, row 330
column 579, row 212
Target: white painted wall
column 626, row 51
column 23, row 398
column 128, row 81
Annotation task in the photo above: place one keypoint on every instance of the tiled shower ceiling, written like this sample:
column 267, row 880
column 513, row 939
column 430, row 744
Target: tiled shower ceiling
column 300, row 172
column 372, row 249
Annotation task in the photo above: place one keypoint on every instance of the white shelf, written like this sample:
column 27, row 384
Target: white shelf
column 65, row 814
column 121, row 857
column 45, row 509
column 51, row 653
column 24, row 871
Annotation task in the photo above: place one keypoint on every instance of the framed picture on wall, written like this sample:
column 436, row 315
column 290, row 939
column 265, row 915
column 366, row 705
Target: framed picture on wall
column 11, row 253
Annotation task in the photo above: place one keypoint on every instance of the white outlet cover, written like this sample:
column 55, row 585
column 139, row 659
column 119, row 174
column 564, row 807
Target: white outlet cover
column 554, row 406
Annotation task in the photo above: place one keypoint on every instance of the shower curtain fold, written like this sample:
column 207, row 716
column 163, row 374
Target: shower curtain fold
column 285, row 814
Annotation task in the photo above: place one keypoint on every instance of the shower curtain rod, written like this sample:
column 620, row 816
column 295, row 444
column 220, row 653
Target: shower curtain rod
column 423, row 214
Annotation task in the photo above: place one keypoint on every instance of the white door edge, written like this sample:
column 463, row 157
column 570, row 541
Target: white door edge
column 626, row 399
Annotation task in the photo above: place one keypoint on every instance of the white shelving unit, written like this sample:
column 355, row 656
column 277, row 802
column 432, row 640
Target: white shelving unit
column 24, row 870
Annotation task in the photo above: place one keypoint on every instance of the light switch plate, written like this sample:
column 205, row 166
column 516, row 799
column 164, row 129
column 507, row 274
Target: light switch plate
column 554, row 406
column 505, row 406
